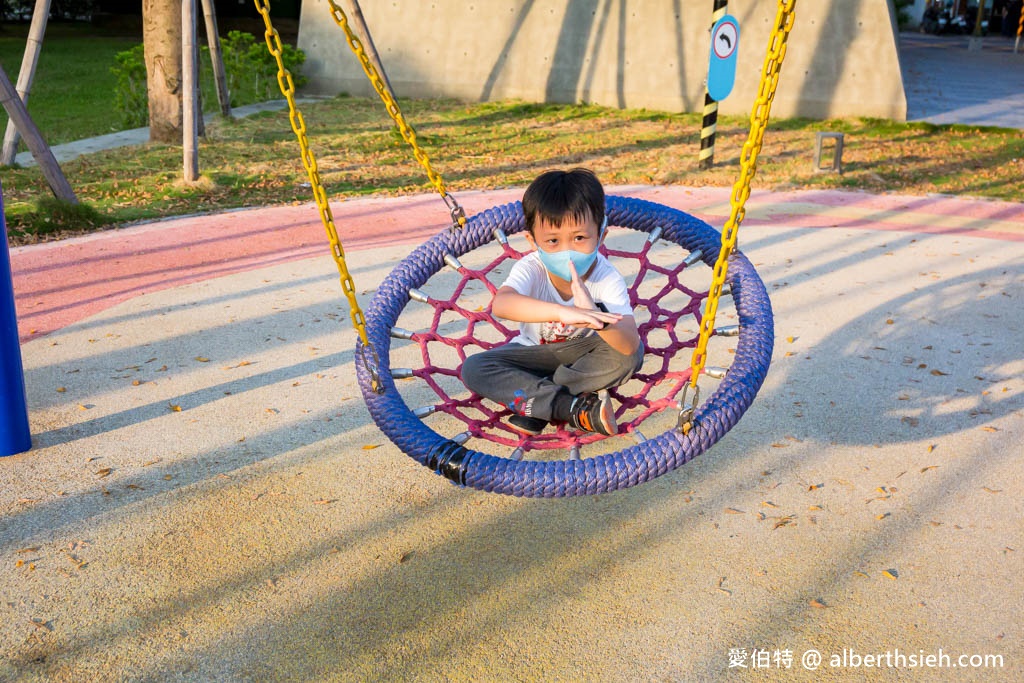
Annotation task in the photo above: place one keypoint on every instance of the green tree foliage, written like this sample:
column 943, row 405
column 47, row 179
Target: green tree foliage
column 66, row 10
column 251, row 73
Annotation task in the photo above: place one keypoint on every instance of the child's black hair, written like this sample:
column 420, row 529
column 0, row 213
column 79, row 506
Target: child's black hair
column 557, row 196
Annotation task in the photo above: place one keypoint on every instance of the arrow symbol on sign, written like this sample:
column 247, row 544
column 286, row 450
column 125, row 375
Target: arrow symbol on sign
column 728, row 42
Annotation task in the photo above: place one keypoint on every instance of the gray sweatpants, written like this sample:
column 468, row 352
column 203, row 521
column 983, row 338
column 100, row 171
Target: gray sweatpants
column 526, row 379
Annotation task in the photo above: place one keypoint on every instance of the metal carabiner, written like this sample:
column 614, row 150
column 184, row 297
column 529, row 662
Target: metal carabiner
column 687, row 410
column 457, row 212
column 371, row 366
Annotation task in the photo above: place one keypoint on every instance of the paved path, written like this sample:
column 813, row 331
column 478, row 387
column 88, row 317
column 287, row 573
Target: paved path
column 207, row 498
column 947, row 83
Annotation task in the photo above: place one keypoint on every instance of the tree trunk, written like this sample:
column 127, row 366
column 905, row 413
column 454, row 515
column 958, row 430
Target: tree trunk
column 161, row 34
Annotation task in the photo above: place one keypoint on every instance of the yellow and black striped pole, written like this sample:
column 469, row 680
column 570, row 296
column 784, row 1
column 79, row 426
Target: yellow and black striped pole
column 710, row 122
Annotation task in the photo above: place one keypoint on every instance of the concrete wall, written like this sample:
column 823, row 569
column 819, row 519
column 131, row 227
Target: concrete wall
column 841, row 61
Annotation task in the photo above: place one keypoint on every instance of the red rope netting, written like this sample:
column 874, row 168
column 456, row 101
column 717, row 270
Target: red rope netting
column 665, row 328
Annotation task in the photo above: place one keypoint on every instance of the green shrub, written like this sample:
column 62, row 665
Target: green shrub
column 250, row 71
column 131, row 98
column 903, row 18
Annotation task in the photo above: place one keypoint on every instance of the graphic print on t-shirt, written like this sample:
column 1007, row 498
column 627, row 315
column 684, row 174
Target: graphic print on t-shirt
column 554, row 332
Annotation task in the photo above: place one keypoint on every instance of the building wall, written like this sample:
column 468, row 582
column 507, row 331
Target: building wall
column 841, row 60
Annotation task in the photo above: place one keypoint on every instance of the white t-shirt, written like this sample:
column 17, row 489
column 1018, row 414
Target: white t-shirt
column 529, row 278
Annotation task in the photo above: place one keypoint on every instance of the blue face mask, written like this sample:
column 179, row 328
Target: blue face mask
column 557, row 263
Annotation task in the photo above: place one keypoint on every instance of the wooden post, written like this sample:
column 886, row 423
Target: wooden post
column 27, row 127
column 217, row 58
column 189, row 85
column 28, row 71
column 359, row 23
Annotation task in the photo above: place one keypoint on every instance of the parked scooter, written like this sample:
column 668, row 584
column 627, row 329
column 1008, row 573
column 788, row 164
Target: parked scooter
column 941, row 21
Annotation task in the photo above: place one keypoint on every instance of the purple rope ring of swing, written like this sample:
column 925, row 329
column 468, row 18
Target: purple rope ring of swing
column 591, row 475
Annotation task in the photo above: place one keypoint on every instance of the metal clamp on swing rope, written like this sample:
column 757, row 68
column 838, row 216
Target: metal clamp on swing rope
column 686, row 412
column 457, row 212
column 370, row 363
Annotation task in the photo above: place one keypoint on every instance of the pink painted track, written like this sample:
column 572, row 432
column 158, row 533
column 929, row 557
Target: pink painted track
column 59, row 283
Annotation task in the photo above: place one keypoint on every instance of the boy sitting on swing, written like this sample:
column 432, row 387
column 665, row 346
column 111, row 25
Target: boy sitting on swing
column 577, row 335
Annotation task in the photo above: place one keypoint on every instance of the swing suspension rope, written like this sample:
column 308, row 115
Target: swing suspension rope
column 625, row 468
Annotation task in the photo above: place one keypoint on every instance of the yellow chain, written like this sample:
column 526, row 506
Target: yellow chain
column 284, row 81
column 741, row 189
column 458, row 215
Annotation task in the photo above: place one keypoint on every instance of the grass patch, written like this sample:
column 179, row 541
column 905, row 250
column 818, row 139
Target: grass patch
column 255, row 161
column 74, row 67
column 51, row 218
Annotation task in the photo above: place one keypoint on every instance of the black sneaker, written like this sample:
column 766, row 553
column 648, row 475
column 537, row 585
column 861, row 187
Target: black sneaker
column 530, row 426
column 593, row 413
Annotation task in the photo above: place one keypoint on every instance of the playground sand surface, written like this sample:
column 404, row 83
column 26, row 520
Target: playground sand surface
column 208, row 499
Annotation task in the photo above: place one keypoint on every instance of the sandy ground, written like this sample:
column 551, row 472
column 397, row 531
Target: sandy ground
column 208, row 499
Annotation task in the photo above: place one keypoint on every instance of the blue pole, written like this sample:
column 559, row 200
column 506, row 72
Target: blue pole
column 14, row 433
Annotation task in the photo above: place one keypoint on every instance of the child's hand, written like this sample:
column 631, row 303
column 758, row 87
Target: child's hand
column 595, row 319
column 581, row 297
